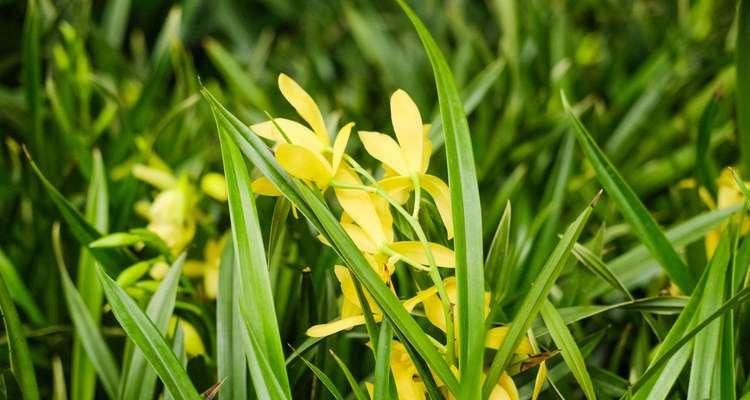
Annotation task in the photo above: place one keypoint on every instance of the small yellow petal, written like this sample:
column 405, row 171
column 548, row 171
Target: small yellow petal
column 360, row 238
column 384, row 149
column 211, row 283
column 441, row 195
column 506, row 382
column 193, row 268
column 412, row 302
column 263, row 186
column 384, row 213
column 293, row 130
column 305, row 106
column 191, row 338
column 156, row 177
column 359, row 205
column 214, row 185
column 413, row 250
column 398, row 187
column 496, row 336
column 407, row 123
column 541, row 375
column 332, row 327
column 304, row 164
column 426, row 149
column 339, row 145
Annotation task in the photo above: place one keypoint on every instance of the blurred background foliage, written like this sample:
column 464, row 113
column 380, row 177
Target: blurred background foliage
column 655, row 82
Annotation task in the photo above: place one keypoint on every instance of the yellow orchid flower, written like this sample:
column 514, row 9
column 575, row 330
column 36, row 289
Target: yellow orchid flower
column 192, row 341
column 306, row 153
column 351, row 309
column 172, row 214
column 214, row 185
column 408, row 158
column 727, row 195
column 433, row 311
column 208, row 268
column 368, row 221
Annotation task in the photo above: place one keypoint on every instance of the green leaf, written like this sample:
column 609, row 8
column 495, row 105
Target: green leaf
column 235, row 76
column 636, row 266
column 139, row 380
column 467, row 219
column 20, row 358
column 115, row 21
column 32, row 76
column 255, row 292
column 87, row 328
column 178, row 348
column 742, row 68
column 324, row 379
column 382, row 379
column 707, row 343
column 19, row 292
column 359, row 394
column 667, row 352
column 568, row 347
column 315, row 210
column 146, row 335
column 532, row 302
column 472, row 96
column 497, row 266
column 97, row 214
column 632, row 208
column 230, row 357
column 83, row 232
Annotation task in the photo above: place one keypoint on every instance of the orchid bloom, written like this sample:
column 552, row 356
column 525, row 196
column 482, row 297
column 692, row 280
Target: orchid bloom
column 727, row 195
column 304, row 152
column 407, row 159
column 368, row 222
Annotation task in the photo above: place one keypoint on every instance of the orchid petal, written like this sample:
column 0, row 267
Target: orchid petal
column 384, row 149
column 407, row 123
column 305, row 106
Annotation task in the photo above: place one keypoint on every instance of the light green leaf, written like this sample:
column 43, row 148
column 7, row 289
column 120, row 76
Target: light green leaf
column 568, row 347
column 467, row 218
column 532, row 302
column 229, row 330
column 632, row 208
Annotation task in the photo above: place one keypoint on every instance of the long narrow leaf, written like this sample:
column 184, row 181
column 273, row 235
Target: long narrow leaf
column 568, row 347
column 20, row 358
column 138, row 381
column 86, row 328
column 534, row 298
column 146, row 336
column 467, row 214
column 255, row 292
column 632, row 208
column 229, row 341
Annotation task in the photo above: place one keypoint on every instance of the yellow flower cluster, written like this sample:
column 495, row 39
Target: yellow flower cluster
column 306, row 152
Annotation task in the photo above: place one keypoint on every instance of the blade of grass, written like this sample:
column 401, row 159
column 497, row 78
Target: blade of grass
column 19, row 292
column 84, row 233
column 138, row 380
column 668, row 352
column 466, row 209
column 146, row 336
column 178, row 348
column 20, row 358
column 359, row 394
column 568, row 347
column 115, row 21
column 324, row 379
column 632, row 208
column 532, row 302
column 497, row 266
column 707, row 343
column 97, row 214
column 742, row 68
column 634, row 266
column 86, row 327
column 248, row 246
column 313, row 208
column 32, row 76
column 229, row 342
column 382, row 379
